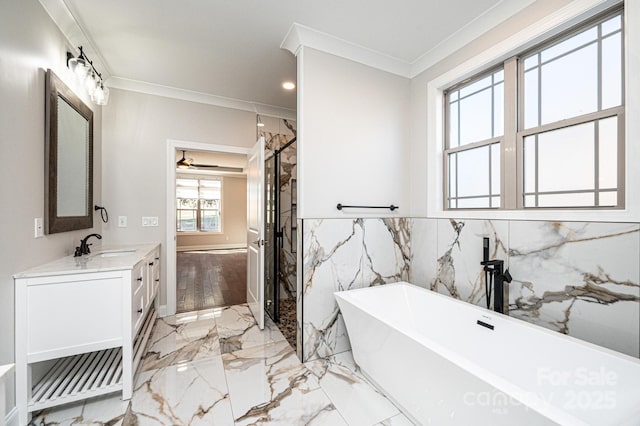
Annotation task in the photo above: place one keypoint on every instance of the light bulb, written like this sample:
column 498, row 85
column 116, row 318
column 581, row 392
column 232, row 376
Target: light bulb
column 97, row 95
column 79, row 67
column 91, row 83
column 101, row 95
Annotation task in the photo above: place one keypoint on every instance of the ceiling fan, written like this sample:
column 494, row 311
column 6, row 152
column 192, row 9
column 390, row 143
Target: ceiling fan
column 187, row 163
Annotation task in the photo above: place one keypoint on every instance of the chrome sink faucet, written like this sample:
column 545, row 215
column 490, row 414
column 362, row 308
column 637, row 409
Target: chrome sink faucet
column 84, row 246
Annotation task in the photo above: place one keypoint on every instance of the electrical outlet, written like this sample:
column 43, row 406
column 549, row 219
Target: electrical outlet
column 38, row 228
column 122, row 221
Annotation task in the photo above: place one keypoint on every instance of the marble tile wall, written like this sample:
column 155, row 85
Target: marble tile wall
column 342, row 254
column 577, row 278
column 580, row 279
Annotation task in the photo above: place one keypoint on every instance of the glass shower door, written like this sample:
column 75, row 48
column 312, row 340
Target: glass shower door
column 270, row 223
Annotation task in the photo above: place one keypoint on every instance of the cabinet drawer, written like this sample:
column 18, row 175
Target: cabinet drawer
column 137, row 309
column 138, row 295
column 137, row 279
column 153, row 279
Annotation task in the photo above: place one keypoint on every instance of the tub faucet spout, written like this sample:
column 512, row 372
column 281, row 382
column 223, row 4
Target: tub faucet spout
column 495, row 276
column 501, row 277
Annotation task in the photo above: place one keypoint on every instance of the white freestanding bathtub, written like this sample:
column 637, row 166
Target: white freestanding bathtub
column 446, row 362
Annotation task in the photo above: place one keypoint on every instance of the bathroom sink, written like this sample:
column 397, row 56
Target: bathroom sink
column 113, row 253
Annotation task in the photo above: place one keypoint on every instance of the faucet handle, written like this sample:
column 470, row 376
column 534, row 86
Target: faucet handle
column 507, row 276
column 78, row 252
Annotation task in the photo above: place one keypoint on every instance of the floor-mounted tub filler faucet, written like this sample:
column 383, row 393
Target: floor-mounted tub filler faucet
column 84, row 246
column 495, row 276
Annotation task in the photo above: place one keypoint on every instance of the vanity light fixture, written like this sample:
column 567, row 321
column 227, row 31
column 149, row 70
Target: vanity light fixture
column 91, row 79
column 260, row 123
column 288, row 85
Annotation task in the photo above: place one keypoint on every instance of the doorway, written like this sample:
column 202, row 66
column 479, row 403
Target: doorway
column 211, row 205
column 204, row 250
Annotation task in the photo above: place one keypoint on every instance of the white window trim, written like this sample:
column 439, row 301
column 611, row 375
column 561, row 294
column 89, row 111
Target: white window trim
column 572, row 14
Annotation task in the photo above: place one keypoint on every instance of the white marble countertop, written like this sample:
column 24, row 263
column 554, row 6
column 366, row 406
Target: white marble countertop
column 103, row 259
column 4, row 369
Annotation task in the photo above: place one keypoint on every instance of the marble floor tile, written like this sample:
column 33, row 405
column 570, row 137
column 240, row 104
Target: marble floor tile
column 188, row 381
column 192, row 393
column 181, row 338
column 350, row 391
column 237, row 329
column 105, row 410
column 271, row 387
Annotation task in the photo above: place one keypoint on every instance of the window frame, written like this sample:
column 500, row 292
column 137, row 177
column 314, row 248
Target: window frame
column 199, row 210
column 448, row 150
column 592, row 117
column 537, row 33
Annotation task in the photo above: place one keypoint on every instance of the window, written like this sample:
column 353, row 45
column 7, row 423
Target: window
column 198, row 205
column 560, row 108
column 475, row 129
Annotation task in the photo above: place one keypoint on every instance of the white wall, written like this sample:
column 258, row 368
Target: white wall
column 136, row 130
column 29, row 44
column 353, row 130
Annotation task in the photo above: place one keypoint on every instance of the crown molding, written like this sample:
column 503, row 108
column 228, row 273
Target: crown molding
column 465, row 35
column 76, row 36
column 75, row 33
column 300, row 35
column 199, row 97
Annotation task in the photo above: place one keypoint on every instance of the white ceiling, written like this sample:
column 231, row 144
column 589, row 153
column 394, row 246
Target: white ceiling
column 231, row 48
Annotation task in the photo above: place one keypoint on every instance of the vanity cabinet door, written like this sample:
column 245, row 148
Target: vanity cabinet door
column 153, row 276
column 138, row 295
column 156, row 274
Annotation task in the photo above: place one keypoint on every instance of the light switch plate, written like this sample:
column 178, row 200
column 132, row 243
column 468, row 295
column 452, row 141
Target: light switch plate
column 38, row 228
column 122, row 221
column 149, row 220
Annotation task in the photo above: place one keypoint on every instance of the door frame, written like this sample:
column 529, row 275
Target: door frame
column 173, row 145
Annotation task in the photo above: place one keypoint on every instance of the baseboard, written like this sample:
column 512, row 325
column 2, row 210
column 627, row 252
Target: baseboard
column 162, row 311
column 213, row 247
column 12, row 417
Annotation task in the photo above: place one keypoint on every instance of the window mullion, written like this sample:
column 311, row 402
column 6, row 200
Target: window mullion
column 510, row 187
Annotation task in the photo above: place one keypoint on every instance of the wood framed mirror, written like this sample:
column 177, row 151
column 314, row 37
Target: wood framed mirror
column 68, row 159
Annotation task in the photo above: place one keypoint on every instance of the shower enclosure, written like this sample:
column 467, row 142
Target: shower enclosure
column 280, row 233
column 271, row 225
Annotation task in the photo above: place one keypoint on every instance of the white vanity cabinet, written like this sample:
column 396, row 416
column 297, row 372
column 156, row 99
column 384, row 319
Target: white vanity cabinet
column 87, row 320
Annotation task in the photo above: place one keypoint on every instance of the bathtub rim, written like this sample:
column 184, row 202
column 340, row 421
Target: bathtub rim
column 491, row 315
column 525, row 397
